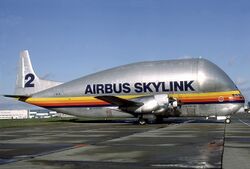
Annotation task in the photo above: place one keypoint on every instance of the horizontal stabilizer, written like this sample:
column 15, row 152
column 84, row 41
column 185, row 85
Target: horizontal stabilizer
column 119, row 101
column 18, row 97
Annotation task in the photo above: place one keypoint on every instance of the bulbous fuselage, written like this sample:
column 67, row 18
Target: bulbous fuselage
column 203, row 87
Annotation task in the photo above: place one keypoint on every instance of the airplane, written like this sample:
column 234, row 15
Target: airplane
column 153, row 89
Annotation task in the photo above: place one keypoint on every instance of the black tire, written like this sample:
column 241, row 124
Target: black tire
column 228, row 121
column 142, row 121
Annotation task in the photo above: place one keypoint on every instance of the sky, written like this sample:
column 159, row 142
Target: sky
column 68, row 39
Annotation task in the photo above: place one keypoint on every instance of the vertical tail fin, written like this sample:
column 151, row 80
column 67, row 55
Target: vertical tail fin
column 27, row 82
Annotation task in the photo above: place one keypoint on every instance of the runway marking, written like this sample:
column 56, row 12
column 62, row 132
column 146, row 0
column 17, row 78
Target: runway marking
column 244, row 122
column 199, row 165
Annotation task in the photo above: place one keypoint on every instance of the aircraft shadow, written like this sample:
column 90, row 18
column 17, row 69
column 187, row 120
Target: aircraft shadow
column 135, row 121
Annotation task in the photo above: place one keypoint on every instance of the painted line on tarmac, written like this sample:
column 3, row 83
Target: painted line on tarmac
column 244, row 122
column 199, row 165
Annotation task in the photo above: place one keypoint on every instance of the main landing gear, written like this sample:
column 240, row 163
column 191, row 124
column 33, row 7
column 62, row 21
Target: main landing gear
column 142, row 121
column 149, row 119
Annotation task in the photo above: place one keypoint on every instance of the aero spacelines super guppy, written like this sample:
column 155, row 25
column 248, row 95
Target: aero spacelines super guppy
column 167, row 88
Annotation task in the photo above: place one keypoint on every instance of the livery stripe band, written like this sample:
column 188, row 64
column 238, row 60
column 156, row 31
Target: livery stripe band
column 90, row 101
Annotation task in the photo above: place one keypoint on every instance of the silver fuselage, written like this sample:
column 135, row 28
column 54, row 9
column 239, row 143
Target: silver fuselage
column 189, row 77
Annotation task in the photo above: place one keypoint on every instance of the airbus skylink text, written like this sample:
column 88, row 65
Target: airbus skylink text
column 139, row 87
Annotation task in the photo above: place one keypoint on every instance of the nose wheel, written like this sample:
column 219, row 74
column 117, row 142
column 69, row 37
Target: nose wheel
column 227, row 120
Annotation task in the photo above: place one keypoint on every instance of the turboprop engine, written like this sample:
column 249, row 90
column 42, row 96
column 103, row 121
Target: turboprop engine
column 156, row 104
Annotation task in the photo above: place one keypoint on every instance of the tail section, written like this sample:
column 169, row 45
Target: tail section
column 27, row 81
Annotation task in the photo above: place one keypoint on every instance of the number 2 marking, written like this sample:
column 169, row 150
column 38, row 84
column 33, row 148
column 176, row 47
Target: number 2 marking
column 30, row 77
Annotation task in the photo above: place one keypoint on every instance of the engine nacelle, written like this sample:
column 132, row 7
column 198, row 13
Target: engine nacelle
column 157, row 104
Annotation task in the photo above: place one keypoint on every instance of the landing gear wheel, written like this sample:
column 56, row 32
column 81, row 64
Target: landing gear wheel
column 142, row 121
column 227, row 121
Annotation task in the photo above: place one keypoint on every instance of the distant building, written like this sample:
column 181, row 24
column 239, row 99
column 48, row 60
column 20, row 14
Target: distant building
column 63, row 115
column 25, row 114
column 41, row 113
column 44, row 113
column 14, row 114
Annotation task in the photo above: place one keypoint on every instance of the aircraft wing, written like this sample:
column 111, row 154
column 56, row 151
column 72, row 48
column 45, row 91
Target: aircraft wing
column 119, row 101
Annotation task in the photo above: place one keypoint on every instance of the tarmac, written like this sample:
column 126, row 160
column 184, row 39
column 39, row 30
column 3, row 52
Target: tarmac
column 112, row 144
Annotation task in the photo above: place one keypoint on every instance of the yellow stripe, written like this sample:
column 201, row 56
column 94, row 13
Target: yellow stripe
column 82, row 98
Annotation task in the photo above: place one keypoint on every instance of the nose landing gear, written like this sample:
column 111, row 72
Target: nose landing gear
column 227, row 120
